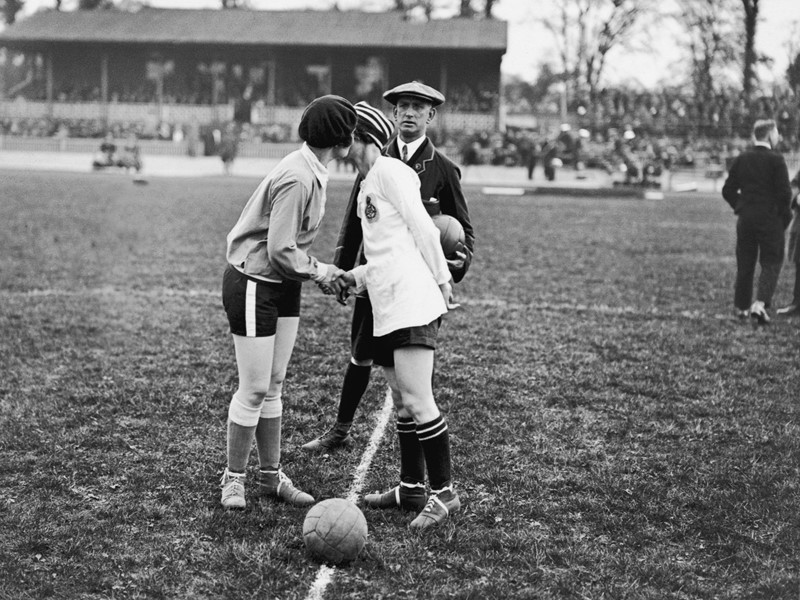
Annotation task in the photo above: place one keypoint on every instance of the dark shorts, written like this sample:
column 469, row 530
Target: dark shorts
column 253, row 306
column 385, row 345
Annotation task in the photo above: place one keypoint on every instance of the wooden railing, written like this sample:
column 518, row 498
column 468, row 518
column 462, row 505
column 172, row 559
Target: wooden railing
column 200, row 114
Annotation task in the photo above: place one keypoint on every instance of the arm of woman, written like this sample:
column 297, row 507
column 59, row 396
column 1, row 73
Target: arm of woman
column 402, row 191
column 286, row 217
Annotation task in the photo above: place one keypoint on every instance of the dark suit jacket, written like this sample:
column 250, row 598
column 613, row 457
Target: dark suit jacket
column 439, row 178
column 758, row 185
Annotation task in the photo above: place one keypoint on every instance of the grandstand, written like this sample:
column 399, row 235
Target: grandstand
column 163, row 69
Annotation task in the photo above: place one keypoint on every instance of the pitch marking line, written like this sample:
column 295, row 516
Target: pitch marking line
column 317, row 300
column 503, row 191
column 325, row 573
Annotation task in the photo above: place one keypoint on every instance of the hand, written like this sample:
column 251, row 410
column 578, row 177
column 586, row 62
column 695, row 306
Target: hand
column 330, row 276
column 447, row 294
column 327, row 288
column 344, row 282
column 346, row 279
column 457, row 260
column 331, row 285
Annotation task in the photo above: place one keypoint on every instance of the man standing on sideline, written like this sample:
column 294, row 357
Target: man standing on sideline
column 758, row 190
column 440, row 179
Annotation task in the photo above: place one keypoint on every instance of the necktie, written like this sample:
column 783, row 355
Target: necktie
column 405, row 153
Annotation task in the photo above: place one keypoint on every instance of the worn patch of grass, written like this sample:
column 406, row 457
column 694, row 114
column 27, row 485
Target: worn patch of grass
column 615, row 434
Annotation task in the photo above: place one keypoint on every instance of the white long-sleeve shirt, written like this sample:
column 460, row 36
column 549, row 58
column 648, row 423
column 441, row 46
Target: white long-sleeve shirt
column 405, row 263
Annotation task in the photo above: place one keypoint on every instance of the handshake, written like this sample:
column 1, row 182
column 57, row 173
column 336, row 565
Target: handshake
column 337, row 282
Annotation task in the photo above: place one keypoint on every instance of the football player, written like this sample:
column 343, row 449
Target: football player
column 408, row 280
column 268, row 260
column 415, row 107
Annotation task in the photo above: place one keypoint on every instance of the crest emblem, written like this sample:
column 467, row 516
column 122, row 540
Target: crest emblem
column 370, row 211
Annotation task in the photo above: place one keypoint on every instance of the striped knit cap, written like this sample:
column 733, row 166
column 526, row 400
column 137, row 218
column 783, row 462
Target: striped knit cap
column 373, row 123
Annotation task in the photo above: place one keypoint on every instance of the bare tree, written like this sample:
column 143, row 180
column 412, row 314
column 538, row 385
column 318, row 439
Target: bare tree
column 711, row 41
column 793, row 54
column 585, row 31
column 750, row 58
column 10, row 9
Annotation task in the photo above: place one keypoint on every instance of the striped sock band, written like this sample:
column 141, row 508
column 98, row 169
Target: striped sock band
column 431, row 429
column 406, row 425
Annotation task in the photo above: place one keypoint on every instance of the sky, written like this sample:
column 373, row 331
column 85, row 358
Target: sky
column 529, row 43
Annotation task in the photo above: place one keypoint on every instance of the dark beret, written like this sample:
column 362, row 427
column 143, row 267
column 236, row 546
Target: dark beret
column 328, row 121
column 416, row 89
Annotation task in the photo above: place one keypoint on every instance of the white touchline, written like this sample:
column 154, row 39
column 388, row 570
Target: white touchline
column 325, row 573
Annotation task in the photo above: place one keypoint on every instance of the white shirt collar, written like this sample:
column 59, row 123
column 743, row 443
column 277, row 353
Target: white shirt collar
column 762, row 143
column 320, row 171
column 412, row 146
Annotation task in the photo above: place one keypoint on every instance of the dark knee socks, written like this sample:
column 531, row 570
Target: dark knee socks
column 435, row 442
column 356, row 380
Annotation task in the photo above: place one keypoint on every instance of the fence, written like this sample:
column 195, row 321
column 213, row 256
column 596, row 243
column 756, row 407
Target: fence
column 115, row 111
column 148, row 147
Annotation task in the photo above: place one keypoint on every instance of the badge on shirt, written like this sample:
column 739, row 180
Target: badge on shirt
column 370, row 211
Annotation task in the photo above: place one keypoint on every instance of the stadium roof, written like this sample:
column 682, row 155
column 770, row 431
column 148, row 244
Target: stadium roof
column 256, row 27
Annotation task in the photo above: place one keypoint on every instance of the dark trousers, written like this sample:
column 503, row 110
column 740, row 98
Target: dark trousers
column 759, row 238
column 531, row 167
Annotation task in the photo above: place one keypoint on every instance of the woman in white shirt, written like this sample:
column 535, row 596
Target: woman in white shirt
column 409, row 285
column 268, row 260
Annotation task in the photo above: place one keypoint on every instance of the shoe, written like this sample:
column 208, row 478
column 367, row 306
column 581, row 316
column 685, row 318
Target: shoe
column 438, row 508
column 276, row 484
column 407, row 496
column 232, row 490
column 741, row 314
column 788, row 311
column 759, row 312
column 336, row 437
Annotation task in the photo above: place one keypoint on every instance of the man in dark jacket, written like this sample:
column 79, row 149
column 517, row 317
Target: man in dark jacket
column 440, row 190
column 758, row 190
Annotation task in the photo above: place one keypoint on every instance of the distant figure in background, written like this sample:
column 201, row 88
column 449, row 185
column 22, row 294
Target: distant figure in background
column 107, row 155
column 229, row 147
column 758, row 190
column 550, row 159
column 531, row 150
column 131, row 157
column 793, row 309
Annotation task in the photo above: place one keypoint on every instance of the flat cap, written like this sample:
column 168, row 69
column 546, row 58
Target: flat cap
column 416, row 89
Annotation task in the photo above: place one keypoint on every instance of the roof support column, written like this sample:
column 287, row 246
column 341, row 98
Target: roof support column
column 104, row 109
column 443, row 86
column 272, row 67
column 330, row 75
column 48, row 81
column 104, row 77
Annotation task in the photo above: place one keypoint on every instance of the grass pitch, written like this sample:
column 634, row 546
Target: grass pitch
column 615, row 433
